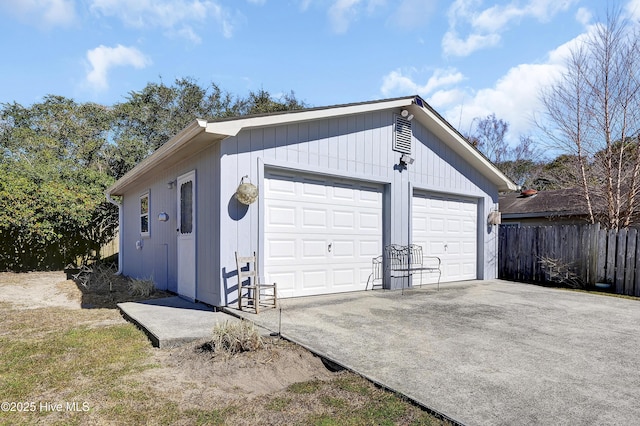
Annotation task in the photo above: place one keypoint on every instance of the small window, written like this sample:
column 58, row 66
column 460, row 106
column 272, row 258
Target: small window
column 144, row 214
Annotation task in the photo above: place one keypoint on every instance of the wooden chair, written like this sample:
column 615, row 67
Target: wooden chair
column 251, row 292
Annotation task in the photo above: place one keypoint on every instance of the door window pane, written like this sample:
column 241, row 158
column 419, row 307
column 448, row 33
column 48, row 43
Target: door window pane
column 186, row 207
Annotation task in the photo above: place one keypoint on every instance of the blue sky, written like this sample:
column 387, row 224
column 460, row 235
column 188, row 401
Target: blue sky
column 467, row 58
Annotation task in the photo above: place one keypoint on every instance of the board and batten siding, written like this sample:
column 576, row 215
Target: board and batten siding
column 157, row 258
column 356, row 147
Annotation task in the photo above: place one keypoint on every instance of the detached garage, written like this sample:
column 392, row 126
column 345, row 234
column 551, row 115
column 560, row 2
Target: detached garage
column 335, row 185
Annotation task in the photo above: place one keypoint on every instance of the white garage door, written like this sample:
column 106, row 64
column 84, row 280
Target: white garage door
column 447, row 227
column 320, row 233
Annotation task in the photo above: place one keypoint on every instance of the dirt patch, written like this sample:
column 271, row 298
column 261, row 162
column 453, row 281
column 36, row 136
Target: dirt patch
column 193, row 377
column 189, row 375
column 39, row 290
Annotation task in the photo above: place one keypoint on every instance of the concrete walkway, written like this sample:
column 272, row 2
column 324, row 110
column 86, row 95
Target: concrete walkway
column 479, row 352
column 483, row 352
column 173, row 321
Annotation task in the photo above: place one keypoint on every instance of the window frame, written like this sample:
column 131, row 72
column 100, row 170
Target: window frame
column 144, row 195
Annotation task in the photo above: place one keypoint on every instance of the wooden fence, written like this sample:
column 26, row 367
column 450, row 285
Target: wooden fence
column 573, row 254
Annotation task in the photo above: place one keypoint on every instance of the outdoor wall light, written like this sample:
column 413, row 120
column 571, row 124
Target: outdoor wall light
column 406, row 159
column 163, row 217
column 406, row 115
column 170, row 184
column 247, row 192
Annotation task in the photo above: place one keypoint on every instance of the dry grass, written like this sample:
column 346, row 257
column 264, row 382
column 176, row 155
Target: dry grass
column 141, row 288
column 231, row 338
column 93, row 358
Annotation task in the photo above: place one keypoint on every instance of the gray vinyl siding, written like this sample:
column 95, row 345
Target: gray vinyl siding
column 158, row 257
column 356, row 147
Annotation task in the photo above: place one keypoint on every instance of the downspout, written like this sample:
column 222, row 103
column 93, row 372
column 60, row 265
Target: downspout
column 120, row 234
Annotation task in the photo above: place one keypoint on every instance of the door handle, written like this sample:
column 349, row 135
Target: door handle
column 329, row 247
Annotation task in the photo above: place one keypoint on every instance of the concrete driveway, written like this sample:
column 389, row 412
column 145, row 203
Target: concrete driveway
column 483, row 352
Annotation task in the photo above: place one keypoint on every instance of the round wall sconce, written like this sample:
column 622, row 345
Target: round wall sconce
column 163, row 217
column 247, row 192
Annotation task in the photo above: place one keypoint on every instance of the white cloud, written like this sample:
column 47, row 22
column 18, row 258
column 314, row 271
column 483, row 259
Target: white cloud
column 103, row 58
column 633, row 9
column 486, row 25
column 46, row 13
column 515, row 97
column 398, row 83
column 583, row 15
column 452, row 44
column 343, row 12
column 173, row 15
column 411, row 14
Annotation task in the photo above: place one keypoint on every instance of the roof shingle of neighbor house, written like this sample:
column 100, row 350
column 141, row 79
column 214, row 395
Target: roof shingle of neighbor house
column 556, row 203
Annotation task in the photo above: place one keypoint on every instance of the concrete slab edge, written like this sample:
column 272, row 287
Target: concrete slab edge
column 433, row 412
column 155, row 340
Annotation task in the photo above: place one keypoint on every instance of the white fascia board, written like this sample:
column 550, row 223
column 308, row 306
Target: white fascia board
column 161, row 154
column 463, row 148
column 233, row 127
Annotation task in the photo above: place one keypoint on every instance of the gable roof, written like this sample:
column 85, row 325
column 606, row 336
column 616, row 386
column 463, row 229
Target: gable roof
column 201, row 132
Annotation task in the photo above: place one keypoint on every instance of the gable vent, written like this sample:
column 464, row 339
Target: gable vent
column 402, row 135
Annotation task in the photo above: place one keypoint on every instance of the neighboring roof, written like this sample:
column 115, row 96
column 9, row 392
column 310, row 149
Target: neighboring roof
column 556, row 203
column 200, row 133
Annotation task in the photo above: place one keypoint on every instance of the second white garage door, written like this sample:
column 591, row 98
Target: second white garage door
column 320, row 233
column 447, row 227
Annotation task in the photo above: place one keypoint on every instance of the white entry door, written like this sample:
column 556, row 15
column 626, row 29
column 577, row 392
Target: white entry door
column 320, row 233
column 186, row 187
column 447, row 227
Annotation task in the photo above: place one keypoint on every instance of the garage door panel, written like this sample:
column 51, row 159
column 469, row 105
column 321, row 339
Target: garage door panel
column 435, row 225
column 370, row 221
column 314, row 189
column 344, row 220
column 281, row 186
column 344, row 193
column 343, row 249
column 469, row 247
column 281, row 249
column 314, row 218
column 343, row 278
column 336, row 230
column 285, row 281
column 450, row 233
column 369, row 248
column 369, row 196
column 281, row 216
column 314, row 249
column 314, row 279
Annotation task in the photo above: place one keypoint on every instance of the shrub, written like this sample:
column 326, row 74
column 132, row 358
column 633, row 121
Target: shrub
column 141, row 287
column 236, row 337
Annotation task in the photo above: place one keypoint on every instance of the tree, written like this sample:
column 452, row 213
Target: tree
column 58, row 157
column 54, row 175
column 150, row 117
column 591, row 114
column 517, row 162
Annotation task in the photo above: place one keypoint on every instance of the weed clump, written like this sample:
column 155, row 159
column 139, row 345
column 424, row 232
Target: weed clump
column 141, row 287
column 232, row 338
